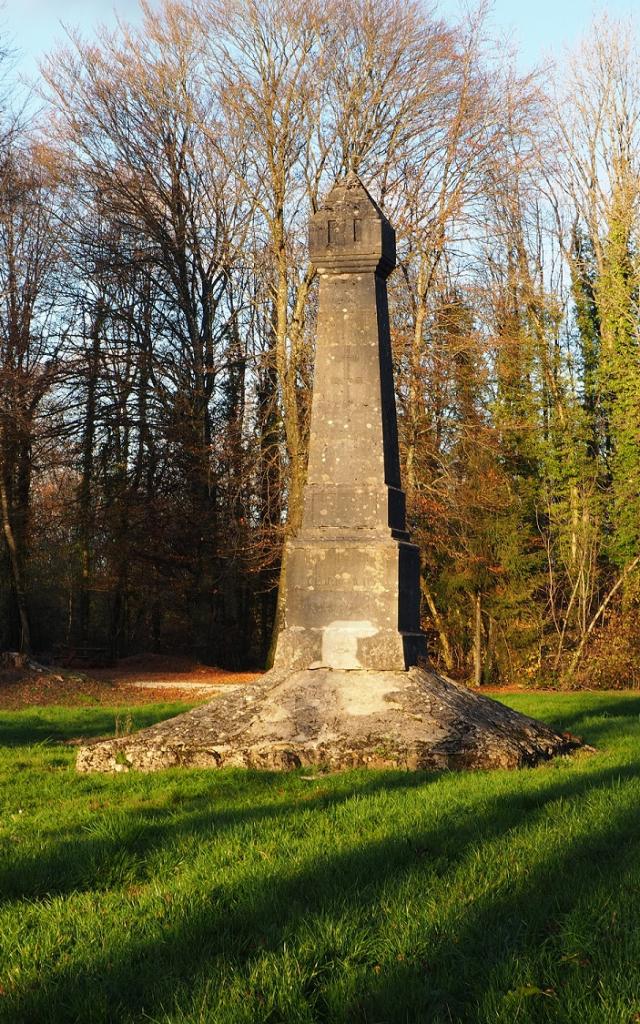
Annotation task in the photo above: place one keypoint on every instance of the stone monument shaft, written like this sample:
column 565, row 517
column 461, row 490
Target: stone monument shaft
column 352, row 597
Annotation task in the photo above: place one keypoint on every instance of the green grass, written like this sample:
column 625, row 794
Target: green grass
column 244, row 898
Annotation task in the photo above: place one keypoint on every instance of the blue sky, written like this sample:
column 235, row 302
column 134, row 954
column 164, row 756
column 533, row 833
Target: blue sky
column 34, row 26
column 543, row 27
column 538, row 26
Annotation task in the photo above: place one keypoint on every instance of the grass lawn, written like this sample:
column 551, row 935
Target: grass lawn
column 243, row 898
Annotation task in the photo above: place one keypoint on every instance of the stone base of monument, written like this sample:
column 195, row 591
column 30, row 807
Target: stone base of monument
column 336, row 720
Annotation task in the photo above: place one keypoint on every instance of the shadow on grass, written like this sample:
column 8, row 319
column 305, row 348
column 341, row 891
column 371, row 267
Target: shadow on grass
column 51, row 725
column 91, row 860
column 233, row 924
column 599, row 723
column 85, row 862
column 500, row 931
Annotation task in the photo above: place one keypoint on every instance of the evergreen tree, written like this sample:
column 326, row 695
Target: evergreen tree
column 619, row 378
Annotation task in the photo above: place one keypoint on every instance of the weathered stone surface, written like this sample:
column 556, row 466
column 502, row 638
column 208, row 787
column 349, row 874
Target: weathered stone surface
column 353, row 594
column 335, row 720
column 340, row 695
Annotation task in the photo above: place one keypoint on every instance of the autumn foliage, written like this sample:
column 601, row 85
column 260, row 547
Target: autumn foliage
column 157, row 312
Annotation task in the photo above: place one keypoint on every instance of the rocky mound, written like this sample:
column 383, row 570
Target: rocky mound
column 335, row 720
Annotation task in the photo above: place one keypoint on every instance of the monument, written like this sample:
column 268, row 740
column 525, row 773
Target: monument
column 353, row 578
column 350, row 685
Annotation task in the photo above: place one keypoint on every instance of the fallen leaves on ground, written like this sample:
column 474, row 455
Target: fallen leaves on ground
column 115, row 686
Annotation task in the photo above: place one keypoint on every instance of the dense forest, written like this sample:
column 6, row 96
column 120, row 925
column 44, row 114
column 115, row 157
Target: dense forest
column 157, row 322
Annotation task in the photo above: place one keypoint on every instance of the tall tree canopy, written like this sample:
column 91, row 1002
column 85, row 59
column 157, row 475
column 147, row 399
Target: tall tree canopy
column 157, row 313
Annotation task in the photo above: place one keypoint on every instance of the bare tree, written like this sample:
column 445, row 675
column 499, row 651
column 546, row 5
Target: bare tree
column 31, row 256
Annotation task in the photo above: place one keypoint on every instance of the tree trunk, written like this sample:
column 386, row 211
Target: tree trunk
column 84, row 496
column 487, row 668
column 288, row 366
column 17, row 579
column 477, row 640
column 601, row 609
column 438, row 622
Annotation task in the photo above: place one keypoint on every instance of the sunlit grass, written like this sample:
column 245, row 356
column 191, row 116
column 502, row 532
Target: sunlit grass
column 219, row 897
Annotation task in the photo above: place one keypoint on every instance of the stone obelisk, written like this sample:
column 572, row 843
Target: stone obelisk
column 347, row 689
column 353, row 578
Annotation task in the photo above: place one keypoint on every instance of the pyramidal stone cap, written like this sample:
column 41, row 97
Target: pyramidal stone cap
column 350, row 234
